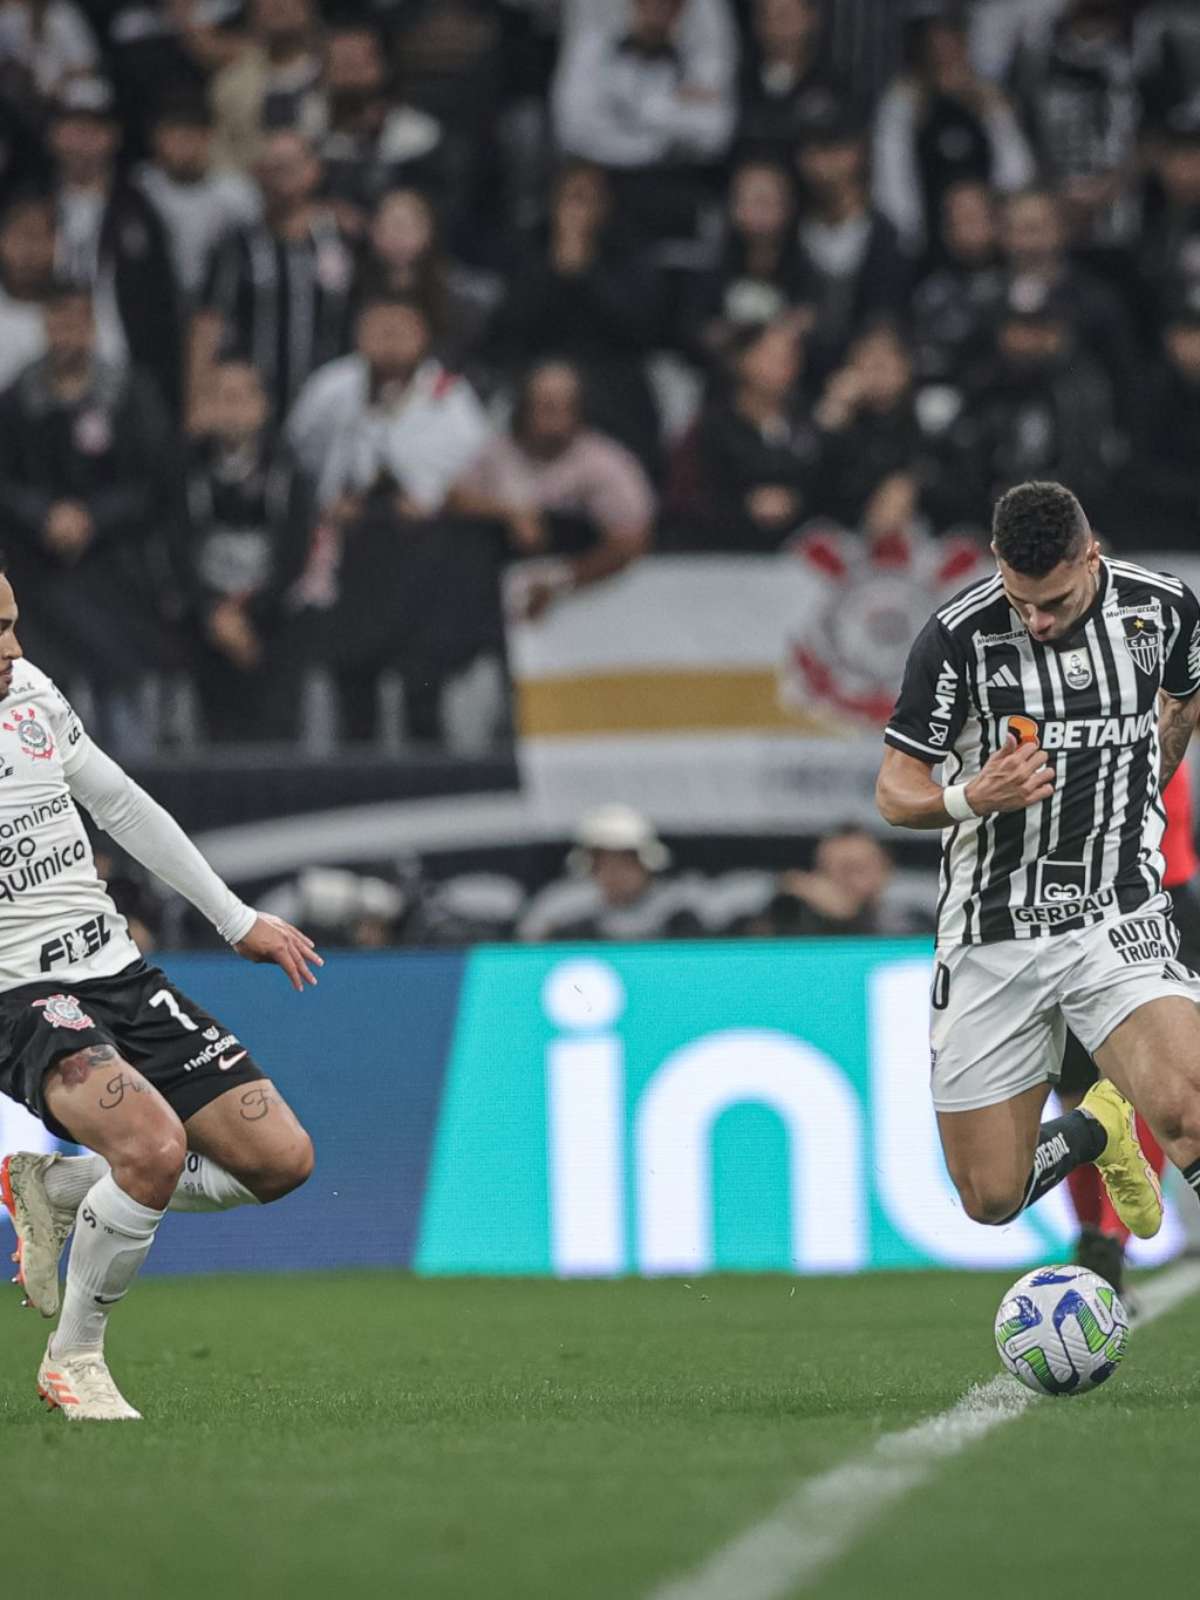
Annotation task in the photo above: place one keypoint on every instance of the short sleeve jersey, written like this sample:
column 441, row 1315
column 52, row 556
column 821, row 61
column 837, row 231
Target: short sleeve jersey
column 1092, row 851
column 56, row 917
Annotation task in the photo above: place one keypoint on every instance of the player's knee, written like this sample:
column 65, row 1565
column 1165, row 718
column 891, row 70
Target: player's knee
column 150, row 1168
column 1177, row 1120
column 990, row 1201
column 288, row 1169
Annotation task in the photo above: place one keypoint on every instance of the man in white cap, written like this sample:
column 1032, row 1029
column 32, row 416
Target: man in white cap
column 614, row 888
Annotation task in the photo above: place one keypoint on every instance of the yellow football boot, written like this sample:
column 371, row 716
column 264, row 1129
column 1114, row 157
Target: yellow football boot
column 1131, row 1181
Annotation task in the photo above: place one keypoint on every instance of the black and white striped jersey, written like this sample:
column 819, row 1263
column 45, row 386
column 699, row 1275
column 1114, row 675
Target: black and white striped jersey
column 1091, row 851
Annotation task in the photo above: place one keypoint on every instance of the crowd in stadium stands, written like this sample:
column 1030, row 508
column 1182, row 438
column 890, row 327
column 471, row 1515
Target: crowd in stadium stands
column 314, row 320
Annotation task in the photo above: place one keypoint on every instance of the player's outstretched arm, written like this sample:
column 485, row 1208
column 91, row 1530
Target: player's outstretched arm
column 272, row 939
column 1015, row 777
column 153, row 837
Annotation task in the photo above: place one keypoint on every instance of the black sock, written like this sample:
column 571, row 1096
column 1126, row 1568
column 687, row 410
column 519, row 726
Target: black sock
column 1064, row 1144
column 1191, row 1176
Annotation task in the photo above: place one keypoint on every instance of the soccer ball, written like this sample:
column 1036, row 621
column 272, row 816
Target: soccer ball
column 1061, row 1330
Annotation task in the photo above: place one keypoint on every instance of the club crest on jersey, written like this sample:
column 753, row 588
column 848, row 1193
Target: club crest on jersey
column 1144, row 642
column 34, row 735
column 1077, row 669
column 64, row 1011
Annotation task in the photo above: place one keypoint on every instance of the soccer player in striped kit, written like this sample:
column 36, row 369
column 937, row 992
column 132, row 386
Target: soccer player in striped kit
column 1052, row 911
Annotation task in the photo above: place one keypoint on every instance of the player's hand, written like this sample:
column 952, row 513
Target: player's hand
column 1015, row 777
column 273, row 939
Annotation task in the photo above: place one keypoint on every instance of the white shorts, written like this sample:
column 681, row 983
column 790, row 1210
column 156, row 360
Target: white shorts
column 1000, row 1011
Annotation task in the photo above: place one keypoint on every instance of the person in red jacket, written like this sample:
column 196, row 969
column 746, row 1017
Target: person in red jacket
column 1102, row 1238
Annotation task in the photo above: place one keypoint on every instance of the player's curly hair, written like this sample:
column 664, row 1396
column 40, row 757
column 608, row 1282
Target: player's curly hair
column 1037, row 525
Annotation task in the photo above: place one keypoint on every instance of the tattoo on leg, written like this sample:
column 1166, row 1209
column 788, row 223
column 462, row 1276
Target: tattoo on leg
column 74, row 1070
column 117, row 1088
column 256, row 1103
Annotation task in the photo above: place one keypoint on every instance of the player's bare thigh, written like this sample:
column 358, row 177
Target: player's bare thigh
column 253, row 1133
column 989, row 1152
column 105, row 1103
column 1153, row 1057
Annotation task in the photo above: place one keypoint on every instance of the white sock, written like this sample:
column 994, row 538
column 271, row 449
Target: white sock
column 113, row 1235
column 204, row 1186
column 70, row 1177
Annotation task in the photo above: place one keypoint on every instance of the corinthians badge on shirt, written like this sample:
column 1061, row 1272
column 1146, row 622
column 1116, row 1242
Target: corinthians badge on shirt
column 1077, row 669
column 34, row 735
column 1143, row 641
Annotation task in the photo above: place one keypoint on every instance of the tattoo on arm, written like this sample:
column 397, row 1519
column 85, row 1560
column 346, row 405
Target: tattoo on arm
column 116, row 1089
column 1176, row 719
column 76, row 1068
column 256, row 1103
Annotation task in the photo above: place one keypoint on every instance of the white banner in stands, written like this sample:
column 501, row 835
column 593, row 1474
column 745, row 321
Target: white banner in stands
column 731, row 693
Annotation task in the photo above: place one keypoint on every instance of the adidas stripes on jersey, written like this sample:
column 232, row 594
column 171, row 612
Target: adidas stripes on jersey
column 1091, row 851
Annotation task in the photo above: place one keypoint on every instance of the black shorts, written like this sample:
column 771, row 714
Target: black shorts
column 1078, row 1069
column 187, row 1055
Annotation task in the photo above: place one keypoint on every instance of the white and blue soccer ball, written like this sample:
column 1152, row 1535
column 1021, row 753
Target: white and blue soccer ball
column 1061, row 1330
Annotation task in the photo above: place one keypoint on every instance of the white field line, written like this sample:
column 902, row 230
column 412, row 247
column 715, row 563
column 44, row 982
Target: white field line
column 825, row 1516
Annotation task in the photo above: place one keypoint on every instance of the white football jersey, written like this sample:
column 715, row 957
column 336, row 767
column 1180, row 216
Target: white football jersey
column 56, row 917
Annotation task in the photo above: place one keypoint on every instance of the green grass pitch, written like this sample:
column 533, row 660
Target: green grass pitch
column 368, row 1435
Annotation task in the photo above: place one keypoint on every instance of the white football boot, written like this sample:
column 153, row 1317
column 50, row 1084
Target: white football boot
column 42, row 1228
column 80, row 1385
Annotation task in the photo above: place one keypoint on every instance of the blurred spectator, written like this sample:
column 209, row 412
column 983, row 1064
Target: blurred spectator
column 956, row 301
column 84, row 468
column 754, row 461
column 1041, row 274
column 150, row 44
column 388, row 434
column 274, row 82
column 279, row 292
column 372, row 144
column 1080, row 98
column 999, row 30
column 1169, row 248
column 849, row 252
column 357, row 910
column 389, row 415
column 760, row 274
column 788, row 76
column 584, row 292
column 941, row 124
column 250, row 520
column 198, row 207
column 845, row 893
column 1165, row 508
column 43, row 44
column 647, row 88
column 1042, row 410
column 26, row 273
column 870, row 442
column 561, row 489
column 616, row 889
column 111, row 239
column 406, row 257
column 1167, row 41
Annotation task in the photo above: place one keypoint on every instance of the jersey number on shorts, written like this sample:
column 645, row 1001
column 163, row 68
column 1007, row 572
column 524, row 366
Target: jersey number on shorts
column 164, row 997
column 940, row 997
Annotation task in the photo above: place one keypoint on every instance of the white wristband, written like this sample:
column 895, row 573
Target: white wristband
column 954, row 798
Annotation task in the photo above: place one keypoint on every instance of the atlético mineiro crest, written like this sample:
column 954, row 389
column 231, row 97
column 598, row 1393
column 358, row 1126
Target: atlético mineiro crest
column 64, row 1011
column 1144, row 642
column 34, row 735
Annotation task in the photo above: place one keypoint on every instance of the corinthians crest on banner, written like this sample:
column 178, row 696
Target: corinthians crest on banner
column 1143, row 640
column 846, row 651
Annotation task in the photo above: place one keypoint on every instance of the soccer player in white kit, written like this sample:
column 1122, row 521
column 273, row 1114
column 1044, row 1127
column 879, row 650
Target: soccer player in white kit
column 103, row 1047
column 1061, row 694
